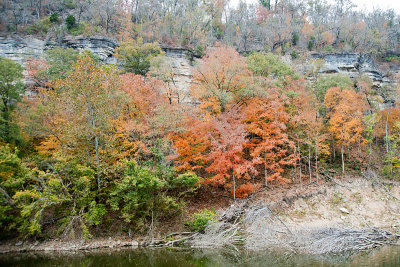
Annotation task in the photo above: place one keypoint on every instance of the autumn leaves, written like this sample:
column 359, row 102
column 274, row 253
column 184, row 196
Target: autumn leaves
column 240, row 132
column 256, row 120
column 253, row 127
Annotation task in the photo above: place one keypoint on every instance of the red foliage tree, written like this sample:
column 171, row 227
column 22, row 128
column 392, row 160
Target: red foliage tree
column 227, row 156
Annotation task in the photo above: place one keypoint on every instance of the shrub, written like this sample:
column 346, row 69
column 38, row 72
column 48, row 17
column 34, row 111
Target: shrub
column 41, row 26
column 137, row 56
column 185, row 180
column 310, row 44
column 246, row 189
column 295, row 38
column 199, row 220
column 294, row 54
column 328, row 48
column 76, row 30
column 54, row 18
column 337, row 199
column 394, row 59
column 71, row 22
column 199, row 51
column 140, row 195
column 61, row 194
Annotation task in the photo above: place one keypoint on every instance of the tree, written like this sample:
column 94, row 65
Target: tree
column 60, row 62
column 12, row 173
column 59, row 193
column 222, row 79
column 137, row 56
column 54, row 18
column 387, row 127
column 141, row 195
column 192, row 146
column 226, row 158
column 136, row 133
column 268, row 64
column 266, row 4
column 12, row 178
column 10, row 90
column 81, row 107
column 345, row 117
column 325, row 82
column 306, row 124
column 270, row 145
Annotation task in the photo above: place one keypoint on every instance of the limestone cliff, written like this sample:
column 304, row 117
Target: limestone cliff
column 383, row 93
column 351, row 64
column 22, row 48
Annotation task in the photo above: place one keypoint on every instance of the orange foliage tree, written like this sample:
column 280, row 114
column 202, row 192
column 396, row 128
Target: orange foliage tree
column 192, row 146
column 147, row 117
column 387, row 120
column 270, row 145
column 217, row 149
column 307, row 127
column 222, row 79
column 346, row 117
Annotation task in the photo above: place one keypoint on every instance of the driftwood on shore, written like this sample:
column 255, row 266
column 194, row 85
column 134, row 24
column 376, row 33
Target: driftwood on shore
column 335, row 240
column 259, row 228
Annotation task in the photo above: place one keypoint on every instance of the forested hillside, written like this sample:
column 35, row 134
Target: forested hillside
column 99, row 147
column 278, row 25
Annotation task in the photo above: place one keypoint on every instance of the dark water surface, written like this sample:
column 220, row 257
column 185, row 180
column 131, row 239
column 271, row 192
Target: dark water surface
column 164, row 257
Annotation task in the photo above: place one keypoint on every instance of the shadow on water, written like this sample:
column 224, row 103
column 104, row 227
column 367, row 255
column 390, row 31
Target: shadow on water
column 165, row 257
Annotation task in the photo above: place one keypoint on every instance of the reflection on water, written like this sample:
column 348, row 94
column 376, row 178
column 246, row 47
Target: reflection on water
column 388, row 256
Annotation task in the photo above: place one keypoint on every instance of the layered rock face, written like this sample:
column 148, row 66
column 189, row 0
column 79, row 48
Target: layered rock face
column 352, row 64
column 182, row 68
column 384, row 92
column 20, row 49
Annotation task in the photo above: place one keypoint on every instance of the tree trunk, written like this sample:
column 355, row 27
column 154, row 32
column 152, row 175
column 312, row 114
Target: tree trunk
column 371, row 143
column 333, row 148
column 390, row 156
column 386, row 130
column 96, row 142
column 316, row 160
column 6, row 119
column 234, row 188
column 370, row 154
column 265, row 169
column 342, row 159
column 388, row 143
column 265, row 163
column 309, row 162
column 301, row 181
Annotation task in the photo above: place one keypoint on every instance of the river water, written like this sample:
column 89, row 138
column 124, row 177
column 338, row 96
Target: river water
column 164, row 257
